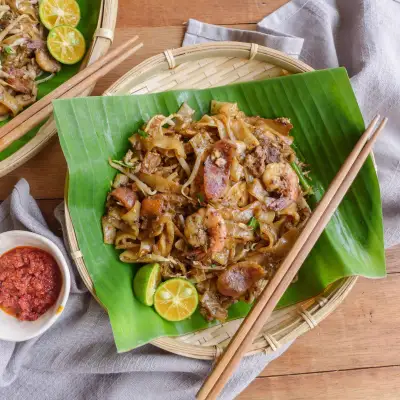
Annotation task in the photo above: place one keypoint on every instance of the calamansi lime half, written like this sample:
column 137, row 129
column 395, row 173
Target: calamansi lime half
column 66, row 44
column 145, row 282
column 176, row 299
column 59, row 12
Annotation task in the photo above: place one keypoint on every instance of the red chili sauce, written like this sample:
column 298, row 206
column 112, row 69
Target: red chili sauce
column 30, row 282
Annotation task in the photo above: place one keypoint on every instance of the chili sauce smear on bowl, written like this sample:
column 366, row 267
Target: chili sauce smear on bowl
column 30, row 282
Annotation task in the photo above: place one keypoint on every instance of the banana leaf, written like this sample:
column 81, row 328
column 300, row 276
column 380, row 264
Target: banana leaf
column 90, row 11
column 327, row 123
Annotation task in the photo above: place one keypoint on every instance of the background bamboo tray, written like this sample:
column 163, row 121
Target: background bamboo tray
column 203, row 66
column 101, row 42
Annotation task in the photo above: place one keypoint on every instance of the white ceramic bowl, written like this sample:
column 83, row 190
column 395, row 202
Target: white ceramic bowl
column 10, row 327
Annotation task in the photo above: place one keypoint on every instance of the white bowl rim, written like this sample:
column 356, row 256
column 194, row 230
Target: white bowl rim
column 59, row 306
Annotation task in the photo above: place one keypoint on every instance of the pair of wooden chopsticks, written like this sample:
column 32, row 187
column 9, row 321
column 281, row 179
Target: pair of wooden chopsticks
column 39, row 111
column 269, row 298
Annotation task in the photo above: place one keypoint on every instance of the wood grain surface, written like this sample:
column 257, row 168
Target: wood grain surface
column 352, row 355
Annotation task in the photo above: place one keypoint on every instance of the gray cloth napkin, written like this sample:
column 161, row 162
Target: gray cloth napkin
column 361, row 35
column 77, row 359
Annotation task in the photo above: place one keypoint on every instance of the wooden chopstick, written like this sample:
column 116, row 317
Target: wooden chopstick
column 271, row 295
column 32, row 116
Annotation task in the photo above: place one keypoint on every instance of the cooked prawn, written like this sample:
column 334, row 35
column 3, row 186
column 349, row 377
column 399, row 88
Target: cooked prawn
column 280, row 178
column 195, row 230
column 216, row 229
column 206, row 227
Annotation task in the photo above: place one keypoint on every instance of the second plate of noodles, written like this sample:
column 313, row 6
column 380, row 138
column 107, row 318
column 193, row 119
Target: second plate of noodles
column 218, row 201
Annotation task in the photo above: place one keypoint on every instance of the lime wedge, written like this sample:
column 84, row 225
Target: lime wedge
column 145, row 283
column 176, row 299
column 59, row 12
column 66, row 44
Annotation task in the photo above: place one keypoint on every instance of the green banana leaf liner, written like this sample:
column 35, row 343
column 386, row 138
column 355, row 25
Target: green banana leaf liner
column 90, row 11
column 327, row 124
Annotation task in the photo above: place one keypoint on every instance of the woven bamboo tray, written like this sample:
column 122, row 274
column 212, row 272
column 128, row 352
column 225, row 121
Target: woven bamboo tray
column 101, row 42
column 203, row 66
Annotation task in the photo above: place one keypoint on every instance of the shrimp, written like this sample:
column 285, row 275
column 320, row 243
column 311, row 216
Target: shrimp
column 216, row 229
column 206, row 228
column 195, row 229
column 280, row 178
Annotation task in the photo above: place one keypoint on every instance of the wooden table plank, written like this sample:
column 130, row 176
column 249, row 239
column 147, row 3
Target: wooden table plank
column 353, row 336
column 361, row 384
column 176, row 12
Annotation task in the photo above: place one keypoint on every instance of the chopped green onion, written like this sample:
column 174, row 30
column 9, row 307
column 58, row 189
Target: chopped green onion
column 253, row 223
column 9, row 50
column 122, row 164
column 142, row 133
column 302, row 179
column 200, row 197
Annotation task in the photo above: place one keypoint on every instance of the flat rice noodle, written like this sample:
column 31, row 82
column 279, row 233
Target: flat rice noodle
column 109, row 231
column 270, row 126
column 131, row 257
column 159, row 183
column 226, row 121
column 146, row 246
column 291, row 211
column 268, row 233
column 166, row 143
column 237, row 170
column 238, row 195
column 256, row 189
column 9, row 101
column 240, row 231
column 200, row 142
column 165, row 242
column 241, row 215
column 126, row 241
column 132, row 217
column 222, row 107
column 242, row 132
column 221, row 257
column 283, row 245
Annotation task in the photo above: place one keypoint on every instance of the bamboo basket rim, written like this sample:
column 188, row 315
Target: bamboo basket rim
column 101, row 42
column 285, row 324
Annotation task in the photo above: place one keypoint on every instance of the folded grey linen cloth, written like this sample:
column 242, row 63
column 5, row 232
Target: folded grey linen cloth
column 77, row 358
column 361, row 35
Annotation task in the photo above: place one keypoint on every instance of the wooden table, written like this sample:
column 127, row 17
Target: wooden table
column 352, row 355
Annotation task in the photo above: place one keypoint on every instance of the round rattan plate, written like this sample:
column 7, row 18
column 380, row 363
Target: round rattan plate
column 203, row 66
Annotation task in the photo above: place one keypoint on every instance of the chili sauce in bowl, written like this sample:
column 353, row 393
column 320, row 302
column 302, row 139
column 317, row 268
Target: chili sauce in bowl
column 30, row 282
column 34, row 284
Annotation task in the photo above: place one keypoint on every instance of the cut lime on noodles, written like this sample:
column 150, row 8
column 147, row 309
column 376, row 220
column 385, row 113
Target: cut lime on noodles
column 59, row 12
column 145, row 283
column 66, row 44
column 176, row 299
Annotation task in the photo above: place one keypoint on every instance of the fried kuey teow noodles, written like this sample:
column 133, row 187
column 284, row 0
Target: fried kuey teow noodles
column 215, row 201
column 24, row 56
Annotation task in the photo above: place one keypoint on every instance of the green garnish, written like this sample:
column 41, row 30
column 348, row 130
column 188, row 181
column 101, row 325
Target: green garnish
column 9, row 50
column 142, row 133
column 122, row 164
column 302, row 179
column 253, row 223
column 200, row 197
